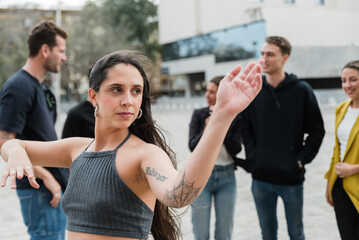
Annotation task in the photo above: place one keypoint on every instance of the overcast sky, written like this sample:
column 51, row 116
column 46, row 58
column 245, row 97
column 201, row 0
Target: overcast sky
column 44, row 3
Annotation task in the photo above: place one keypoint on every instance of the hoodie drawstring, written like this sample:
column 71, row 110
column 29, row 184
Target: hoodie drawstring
column 274, row 96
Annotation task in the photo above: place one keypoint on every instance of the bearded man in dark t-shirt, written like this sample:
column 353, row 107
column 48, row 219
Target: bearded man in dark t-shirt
column 28, row 112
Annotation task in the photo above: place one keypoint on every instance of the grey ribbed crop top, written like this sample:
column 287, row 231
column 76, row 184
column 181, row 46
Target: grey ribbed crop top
column 97, row 201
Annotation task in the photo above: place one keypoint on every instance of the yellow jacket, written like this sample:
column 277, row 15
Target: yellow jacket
column 351, row 183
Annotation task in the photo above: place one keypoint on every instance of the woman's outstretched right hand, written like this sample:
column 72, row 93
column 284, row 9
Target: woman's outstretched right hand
column 18, row 165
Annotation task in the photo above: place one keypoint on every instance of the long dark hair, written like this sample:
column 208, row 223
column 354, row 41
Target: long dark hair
column 164, row 225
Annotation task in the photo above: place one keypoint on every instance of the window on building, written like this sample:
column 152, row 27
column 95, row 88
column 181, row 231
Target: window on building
column 235, row 43
column 319, row 2
column 289, row 1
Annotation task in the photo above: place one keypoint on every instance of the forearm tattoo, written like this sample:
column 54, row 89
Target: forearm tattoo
column 181, row 195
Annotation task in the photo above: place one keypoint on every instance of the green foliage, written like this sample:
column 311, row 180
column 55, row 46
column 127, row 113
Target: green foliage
column 99, row 28
column 13, row 47
column 139, row 17
column 89, row 39
column 104, row 27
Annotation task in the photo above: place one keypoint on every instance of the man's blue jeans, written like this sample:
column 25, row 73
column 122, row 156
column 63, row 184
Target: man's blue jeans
column 43, row 221
column 222, row 186
column 265, row 197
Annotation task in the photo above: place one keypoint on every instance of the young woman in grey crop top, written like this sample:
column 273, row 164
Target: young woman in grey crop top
column 123, row 182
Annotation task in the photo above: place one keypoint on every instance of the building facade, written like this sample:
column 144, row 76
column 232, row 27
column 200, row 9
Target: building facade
column 205, row 38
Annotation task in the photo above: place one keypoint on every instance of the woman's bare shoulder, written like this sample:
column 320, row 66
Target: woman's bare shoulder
column 143, row 146
column 146, row 150
column 75, row 145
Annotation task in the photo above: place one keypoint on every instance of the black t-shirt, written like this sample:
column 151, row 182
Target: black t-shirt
column 28, row 109
column 80, row 121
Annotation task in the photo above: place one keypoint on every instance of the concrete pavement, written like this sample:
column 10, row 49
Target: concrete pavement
column 319, row 219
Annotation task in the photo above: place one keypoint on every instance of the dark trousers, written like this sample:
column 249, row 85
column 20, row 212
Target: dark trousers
column 345, row 212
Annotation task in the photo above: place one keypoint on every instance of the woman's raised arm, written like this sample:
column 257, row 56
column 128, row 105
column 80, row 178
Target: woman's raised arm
column 178, row 189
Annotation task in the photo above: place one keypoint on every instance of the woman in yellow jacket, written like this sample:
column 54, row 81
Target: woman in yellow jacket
column 343, row 174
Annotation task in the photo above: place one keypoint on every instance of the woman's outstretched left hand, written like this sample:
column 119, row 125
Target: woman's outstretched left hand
column 237, row 90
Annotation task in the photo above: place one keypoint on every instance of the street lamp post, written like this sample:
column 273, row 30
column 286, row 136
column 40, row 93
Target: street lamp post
column 57, row 76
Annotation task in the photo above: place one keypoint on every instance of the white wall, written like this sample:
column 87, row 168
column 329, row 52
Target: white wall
column 314, row 26
column 217, row 15
column 176, row 20
column 180, row 19
column 306, row 62
column 189, row 65
column 324, row 38
column 204, row 64
column 304, row 23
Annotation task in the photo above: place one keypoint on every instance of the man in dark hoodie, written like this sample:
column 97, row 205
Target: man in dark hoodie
column 282, row 132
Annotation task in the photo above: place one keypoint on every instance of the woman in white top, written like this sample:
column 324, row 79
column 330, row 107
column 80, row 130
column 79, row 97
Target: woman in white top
column 343, row 174
column 221, row 186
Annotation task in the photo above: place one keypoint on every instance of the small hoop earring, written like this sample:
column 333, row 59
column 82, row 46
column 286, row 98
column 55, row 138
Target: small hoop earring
column 95, row 112
column 139, row 114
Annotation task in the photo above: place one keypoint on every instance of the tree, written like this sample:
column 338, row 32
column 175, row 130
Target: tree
column 139, row 18
column 14, row 29
column 103, row 27
column 89, row 39
column 99, row 28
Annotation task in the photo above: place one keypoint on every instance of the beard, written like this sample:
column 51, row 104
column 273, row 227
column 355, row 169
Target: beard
column 51, row 65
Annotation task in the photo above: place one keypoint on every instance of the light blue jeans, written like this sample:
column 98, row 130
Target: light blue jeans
column 43, row 221
column 265, row 197
column 222, row 187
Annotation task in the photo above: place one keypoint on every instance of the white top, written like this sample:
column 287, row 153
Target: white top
column 224, row 158
column 345, row 128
